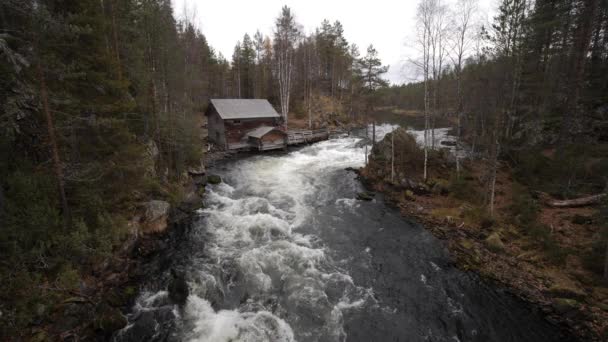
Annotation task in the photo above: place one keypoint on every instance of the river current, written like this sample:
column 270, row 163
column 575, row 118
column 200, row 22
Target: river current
column 284, row 252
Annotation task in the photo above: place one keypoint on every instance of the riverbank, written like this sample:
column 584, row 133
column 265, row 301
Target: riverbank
column 543, row 267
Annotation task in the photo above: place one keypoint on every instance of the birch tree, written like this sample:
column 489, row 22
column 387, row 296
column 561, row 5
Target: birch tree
column 425, row 18
column 438, row 34
column 461, row 41
column 286, row 36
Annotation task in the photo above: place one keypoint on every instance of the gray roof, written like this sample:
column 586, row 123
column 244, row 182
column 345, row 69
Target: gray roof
column 244, row 108
column 261, row 131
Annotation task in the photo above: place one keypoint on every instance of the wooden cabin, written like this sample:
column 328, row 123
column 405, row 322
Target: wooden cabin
column 236, row 124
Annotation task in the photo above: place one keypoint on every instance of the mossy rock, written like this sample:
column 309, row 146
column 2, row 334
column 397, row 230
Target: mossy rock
column 566, row 291
column 365, row 196
column 466, row 244
column 201, row 191
column 494, row 243
column 440, row 187
column 214, row 179
column 40, row 336
column 603, row 306
column 409, row 195
column 565, row 305
column 108, row 320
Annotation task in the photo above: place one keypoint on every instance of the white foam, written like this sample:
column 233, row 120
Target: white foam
column 230, row 325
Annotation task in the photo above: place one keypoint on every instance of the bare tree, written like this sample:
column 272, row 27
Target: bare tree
column 462, row 21
column 438, row 34
column 425, row 18
column 286, row 36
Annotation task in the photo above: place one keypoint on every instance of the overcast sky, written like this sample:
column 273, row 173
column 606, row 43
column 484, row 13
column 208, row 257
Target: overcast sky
column 387, row 24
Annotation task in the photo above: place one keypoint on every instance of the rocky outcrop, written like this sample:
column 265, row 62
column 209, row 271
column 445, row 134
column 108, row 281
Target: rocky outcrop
column 198, row 174
column 151, row 157
column 178, row 288
column 155, row 216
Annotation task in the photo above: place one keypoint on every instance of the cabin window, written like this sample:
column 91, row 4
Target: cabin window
column 236, row 122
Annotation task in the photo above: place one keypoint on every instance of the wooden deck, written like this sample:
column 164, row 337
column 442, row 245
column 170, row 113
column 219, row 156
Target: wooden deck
column 296, row 137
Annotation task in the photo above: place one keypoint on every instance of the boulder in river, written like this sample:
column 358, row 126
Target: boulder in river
column 214, row 179
column 365, row 196
column 155, row 216
column 448, row 143
column 178, row 288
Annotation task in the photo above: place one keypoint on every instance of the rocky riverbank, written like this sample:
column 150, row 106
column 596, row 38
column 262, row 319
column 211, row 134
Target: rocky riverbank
column 548, row 273
column 97, row 310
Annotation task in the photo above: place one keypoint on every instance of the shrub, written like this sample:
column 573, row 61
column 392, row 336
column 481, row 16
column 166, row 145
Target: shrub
column 524, row 209
column 478, row 216
column 464, row 188
column 595, row 258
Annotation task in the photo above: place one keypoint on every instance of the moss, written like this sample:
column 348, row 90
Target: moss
column 476, row 216
column 566, row 291
column 365, row 196
column 565, row 305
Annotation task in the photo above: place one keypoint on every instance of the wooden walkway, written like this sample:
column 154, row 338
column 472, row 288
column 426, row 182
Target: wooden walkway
column 296, row 137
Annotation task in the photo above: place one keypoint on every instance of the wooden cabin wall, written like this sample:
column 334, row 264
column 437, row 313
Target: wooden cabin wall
column 236, row 132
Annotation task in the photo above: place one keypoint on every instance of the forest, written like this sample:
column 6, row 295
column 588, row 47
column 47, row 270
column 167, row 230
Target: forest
column 527, row 92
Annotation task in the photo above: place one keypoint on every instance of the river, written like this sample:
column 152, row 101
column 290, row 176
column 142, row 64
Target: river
column 284, row 252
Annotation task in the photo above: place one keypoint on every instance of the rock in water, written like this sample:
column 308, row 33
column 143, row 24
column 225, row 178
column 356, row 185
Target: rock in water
column 365, row 196
column 214, row 179
column 178, row 288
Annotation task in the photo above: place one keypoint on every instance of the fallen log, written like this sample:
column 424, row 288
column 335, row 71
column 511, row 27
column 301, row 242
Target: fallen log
column 577, row 202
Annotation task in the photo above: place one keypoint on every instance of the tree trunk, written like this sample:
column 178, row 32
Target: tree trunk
column 50, row 126
column 578, row 202
column 393, row 157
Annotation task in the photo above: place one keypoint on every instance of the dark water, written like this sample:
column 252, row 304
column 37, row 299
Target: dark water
column 284, row 252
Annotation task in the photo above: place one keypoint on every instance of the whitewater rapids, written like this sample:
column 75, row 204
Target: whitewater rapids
column 282, row 251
